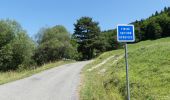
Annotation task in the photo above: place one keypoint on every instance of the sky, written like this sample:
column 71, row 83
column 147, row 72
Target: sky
column 35, row 14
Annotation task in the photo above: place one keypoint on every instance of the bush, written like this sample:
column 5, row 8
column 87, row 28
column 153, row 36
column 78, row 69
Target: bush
column 53, row 44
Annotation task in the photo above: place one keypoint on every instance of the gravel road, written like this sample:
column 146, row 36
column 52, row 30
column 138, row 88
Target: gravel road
column 58, row 83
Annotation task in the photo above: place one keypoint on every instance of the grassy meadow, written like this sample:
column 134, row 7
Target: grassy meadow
column 149, row 73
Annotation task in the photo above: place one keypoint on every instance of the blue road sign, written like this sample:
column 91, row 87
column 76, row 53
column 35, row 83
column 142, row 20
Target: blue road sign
column 125, row 33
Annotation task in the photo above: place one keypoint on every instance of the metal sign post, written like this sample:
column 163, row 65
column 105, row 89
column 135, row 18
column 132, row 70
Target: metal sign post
column 127, row 78
column 125, row 33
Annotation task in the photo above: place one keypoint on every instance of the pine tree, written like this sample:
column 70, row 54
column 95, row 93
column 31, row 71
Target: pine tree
column 86, row 33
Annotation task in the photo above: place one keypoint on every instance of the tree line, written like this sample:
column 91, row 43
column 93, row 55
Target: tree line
column 18, row 51
column 154, row 27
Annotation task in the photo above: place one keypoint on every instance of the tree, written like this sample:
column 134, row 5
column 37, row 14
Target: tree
column 164, row 22
column 138, row 30
column 108, row 41
column 156, row 13
column 86, row 32
column 53, row 44
column 153, row 30
column 23, row 49
column 165, row 9
column 16, row 48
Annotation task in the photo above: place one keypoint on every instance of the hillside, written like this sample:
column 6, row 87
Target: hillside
column 153, row 27
column 149, row 73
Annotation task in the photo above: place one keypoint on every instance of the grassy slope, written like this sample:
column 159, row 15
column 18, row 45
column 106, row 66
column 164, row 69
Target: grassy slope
column 149, row 74
column 15, row 75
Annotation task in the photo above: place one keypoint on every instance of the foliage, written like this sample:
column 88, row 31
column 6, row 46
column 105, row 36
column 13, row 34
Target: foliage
column 154, row 27
column 108, row 41
column 16, row 48
column 53, row 44
column 153, row 30
column 86, row 32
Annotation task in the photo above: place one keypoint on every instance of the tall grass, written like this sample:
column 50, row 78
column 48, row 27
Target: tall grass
column 149, row 74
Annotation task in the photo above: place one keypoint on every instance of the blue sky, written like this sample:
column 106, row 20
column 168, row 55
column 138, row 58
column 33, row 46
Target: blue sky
column 34, row 14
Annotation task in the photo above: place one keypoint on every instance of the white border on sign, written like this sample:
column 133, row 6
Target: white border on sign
column 126, row 40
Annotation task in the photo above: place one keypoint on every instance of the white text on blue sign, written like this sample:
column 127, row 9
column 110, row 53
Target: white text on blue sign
column 125, row 33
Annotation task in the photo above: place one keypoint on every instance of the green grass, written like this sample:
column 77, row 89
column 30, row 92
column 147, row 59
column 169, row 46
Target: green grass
column 6, row 77
column 149, row 73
